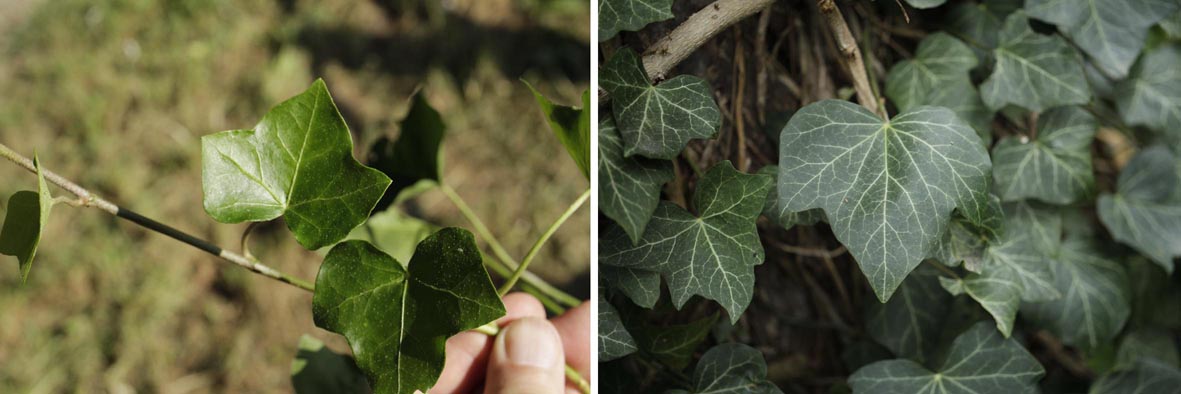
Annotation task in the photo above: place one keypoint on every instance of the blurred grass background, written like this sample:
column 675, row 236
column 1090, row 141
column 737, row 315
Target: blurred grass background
column 115, row 96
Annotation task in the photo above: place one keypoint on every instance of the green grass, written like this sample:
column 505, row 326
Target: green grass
column 116, row 96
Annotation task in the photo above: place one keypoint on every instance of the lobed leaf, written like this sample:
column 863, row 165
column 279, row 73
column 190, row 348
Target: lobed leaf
column 397, row 320
column 1145, row 211
column 909, row 323
column 979, row 361
column 1054, row 167
column 28, row 212
column 641, row 286
column 413, row 161
column 1111, row 32
column 1095, row 300
column 571, row 125
column 712, row 255
column 783, row 217
column 938, row 75
column 297, row 162
column 630, row 15
column 674, row 344
column 1151, row 96
column 317, row 369
column 614, row 339
column 1148, row 343
column 1034, row 71
column 629, row 187
column 657, row 121
column 731, row 368
column 1146, row 376
column 887, row 188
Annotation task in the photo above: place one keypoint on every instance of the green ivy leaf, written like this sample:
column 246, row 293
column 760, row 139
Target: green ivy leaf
column 396, row 320
column 571, row 125
column 1034, row 71
column 921, row 4
column 1148, row 342
column 657, row 121
column 1096, row 299
column 1055, row 167
column 630, row 15
column 1148, row 375
column 979, row 23
column 412, row 162
column 979, row 361
column 1112, row 33
column 1145, row 211
column 641, row 286
column 965, row 241
column 317, row 369
column 910, row 322
column 940, row 59
column 629, row 187
column 785, row 218
column 27, row 214
column 394, row 232
column 731, row 368
column 1171, row 25
column 297, row 162
column 712, row 255
column 674, row 344
column 1151, row 96
column 614, row 339
column 887, row 188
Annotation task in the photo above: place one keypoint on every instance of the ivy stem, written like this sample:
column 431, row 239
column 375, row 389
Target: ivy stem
column 852, row 56
column 492, row 330
column 499, row 252
column 943, row 268
column 508, row 285
column 88, row 199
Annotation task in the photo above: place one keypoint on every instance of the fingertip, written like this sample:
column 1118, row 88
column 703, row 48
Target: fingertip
column 519, row 305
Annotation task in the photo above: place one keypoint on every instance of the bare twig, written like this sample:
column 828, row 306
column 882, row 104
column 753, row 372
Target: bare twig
column 699, row 28
column 852, row 55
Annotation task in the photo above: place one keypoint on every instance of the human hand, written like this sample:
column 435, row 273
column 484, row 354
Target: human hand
column 529, row 355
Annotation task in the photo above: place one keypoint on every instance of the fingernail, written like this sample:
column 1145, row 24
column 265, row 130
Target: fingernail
column 531, row 342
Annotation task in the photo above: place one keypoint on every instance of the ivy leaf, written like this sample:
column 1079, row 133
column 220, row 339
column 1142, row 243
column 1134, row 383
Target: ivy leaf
column 1110, row 32
column 317, row 369
column 297, row 162
column 396, row 320
column 394, row 232
column 1171, row 25
column 28, row 212
column 674, row 344
column 413, row 161
column 1148, row 375
column 965, row 241
column 979, row 361
column 657, row 121
column 1055, row 167
column 1145, row 212
column 939, row 60
column 961, row 96
column 887, row 188
column 641, row 286
column 979, row 23
column 1095, row 300
column 629, row 187
column 1034, row 71
column 731, row 368
column 614, row 339
column 1148, row 343
column 921, row 4
column 1151, row 96
column 571, row 125
column 910, row 322
column 712, row 255
column 630, row 15
column 785, row 218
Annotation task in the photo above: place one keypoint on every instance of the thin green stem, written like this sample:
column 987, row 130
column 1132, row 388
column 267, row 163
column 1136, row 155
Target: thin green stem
column 492, row 330
column 542, row 291
column 512, row 281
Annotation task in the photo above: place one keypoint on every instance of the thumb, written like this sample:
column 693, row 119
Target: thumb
column 527, row 358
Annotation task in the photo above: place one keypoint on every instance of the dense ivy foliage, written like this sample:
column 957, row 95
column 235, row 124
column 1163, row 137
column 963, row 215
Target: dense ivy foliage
column 977, row 211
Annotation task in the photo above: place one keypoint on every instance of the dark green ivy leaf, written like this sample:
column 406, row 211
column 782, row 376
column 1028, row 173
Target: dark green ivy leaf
column 28, row 212
column 1034, row 71
column 731, row 368
column 657, row 121
column 1148, row 342
column 925, row 3
column 629, row 187
column 712, row 255
column 938, row 76
column 630, row 15
column 1148, row 375
column 1145, row 211
column 1095, row 302
column 641, row 286
column 571, row 125
column 887, row 188
column 397, row 320
column 979, row 23
column 909, row 323
column 785, row 218
column 1111, row 32
column 394, row 232
column 979, row 361
column 413, row 161
column 316, row 369
column 674, row 344
column 1151, row 96
column 1054, row 167
column 298, row 163
column 614, row 339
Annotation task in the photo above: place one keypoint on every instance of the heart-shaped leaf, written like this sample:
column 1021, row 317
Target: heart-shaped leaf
column 1095, row 300
column 1034, row 71
column 298, row 163
column 27, row 214
column 630, row 15
column 731, row 368
column 712, row 255
column 887, row 188
column 1111, row 32
column 1145, row 211
column 571, row 125
column 910, row 322
column 940, row 59
column 979, row 23
column 413, row 161
column 979, row 361
column 1151, row 96
column 1146, row 376
column 317, row 369
column 657, row 121
column 397, row 320
column 614, row 339
column 629, row 187
column 1054, row 167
